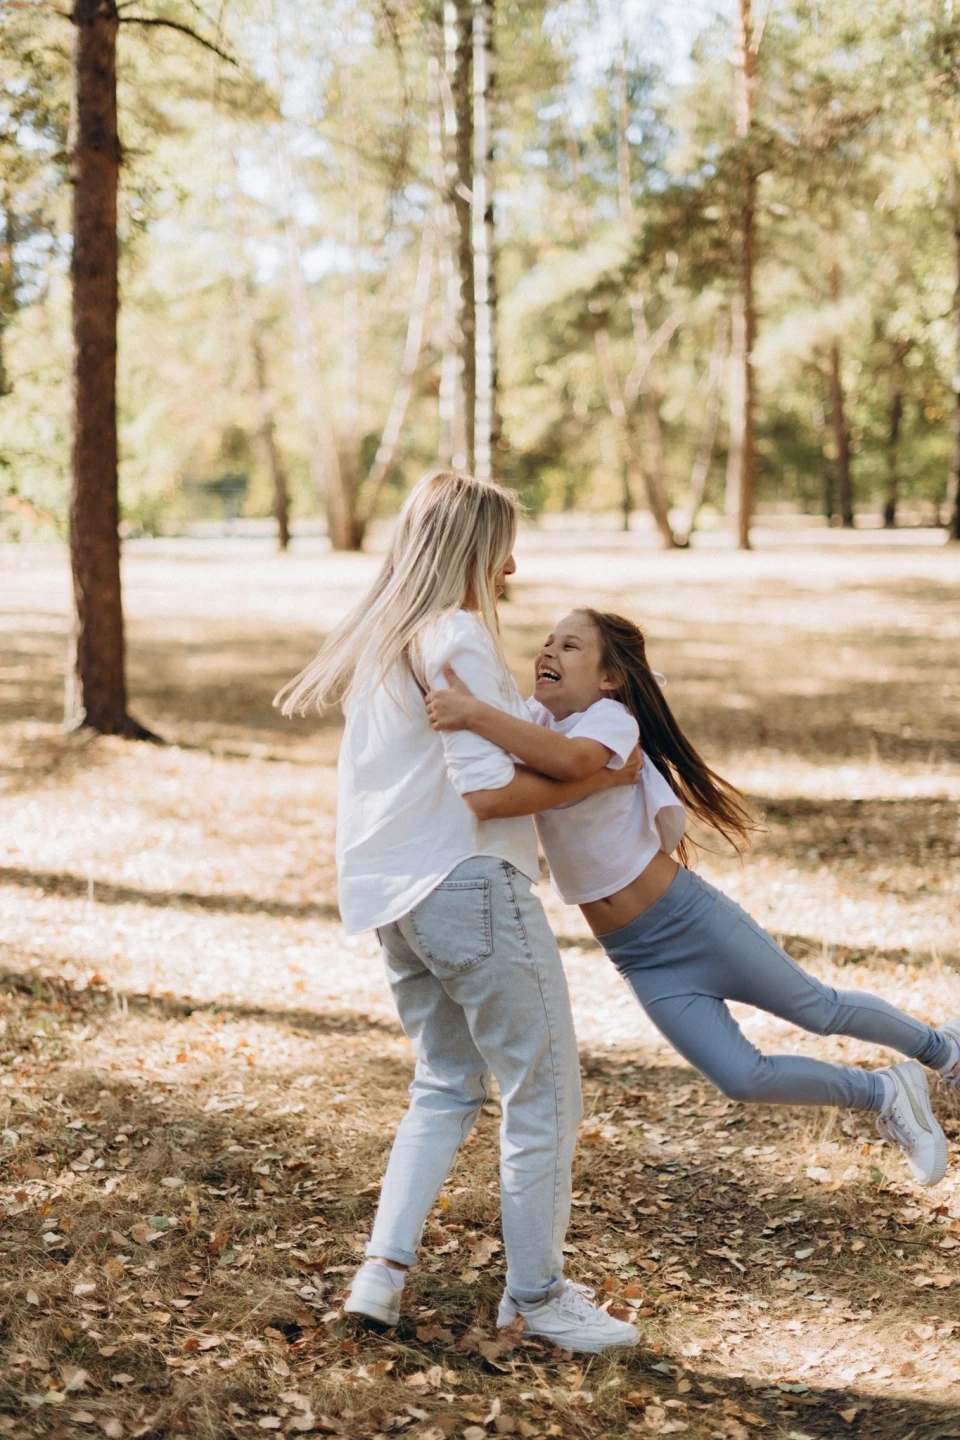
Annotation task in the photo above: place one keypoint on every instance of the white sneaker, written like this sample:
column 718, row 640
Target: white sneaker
column 908, row 1121
column 571, row 1321
column 375, row 1294
column 950, row 1078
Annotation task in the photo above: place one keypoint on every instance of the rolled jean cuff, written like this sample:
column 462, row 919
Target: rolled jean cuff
column 389, row 1252
column 536, row 1297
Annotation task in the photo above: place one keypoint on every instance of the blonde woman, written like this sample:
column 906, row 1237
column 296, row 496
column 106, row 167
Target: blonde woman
column 436, row 851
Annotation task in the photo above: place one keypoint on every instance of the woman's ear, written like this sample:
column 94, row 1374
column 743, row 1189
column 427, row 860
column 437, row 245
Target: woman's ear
column 609, row 684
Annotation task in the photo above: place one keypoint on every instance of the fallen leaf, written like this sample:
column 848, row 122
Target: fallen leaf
column 111, row 1427
column 84, row 1287
column 33, row 1298
column 73, row 1377
column 269, row 1422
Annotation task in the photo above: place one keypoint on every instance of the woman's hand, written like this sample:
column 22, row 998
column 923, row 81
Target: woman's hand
column 628, row 774
column 453, row 709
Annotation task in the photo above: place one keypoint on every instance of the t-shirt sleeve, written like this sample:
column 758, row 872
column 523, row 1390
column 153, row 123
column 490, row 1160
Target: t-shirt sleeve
column 461, row 641
column 612, row 725
column 538, row 713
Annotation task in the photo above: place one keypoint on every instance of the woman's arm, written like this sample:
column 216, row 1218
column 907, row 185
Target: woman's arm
column 528, row 792
column 544, row 750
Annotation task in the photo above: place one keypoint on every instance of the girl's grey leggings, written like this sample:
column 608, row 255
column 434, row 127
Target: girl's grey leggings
column 694, row 949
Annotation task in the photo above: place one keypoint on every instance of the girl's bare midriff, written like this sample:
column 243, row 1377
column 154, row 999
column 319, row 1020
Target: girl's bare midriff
column 616, row 910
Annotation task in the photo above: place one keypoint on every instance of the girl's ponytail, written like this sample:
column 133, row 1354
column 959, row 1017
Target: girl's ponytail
column 710, row 798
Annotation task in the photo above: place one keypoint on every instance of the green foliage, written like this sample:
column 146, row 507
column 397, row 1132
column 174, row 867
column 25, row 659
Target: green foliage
column 855, row 134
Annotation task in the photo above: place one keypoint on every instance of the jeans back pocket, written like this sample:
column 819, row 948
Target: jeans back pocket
column 454, row 927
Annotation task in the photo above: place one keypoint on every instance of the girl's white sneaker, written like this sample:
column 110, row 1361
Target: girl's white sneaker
column 908, row 1121
column 375, row 1293
column 571, row 1320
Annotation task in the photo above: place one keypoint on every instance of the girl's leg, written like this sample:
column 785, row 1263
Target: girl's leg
column 702, row 1030
column 749, row 966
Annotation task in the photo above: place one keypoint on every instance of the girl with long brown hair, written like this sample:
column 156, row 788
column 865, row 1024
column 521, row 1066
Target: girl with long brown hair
column 683, row 947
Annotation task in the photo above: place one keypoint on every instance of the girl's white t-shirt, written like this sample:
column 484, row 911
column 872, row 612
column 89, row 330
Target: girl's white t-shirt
column 596, row 846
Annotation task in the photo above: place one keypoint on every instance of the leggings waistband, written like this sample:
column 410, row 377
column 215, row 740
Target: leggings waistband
column 674, row 896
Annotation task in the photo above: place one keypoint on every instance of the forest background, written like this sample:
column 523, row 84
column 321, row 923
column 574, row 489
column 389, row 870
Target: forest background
column 294, row 318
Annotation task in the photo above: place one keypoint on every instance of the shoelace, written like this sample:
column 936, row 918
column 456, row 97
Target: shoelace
column 577, row 1301
column 892, row 1128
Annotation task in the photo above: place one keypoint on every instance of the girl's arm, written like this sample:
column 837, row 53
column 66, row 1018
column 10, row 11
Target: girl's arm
column 544, row 750
column 528, row 793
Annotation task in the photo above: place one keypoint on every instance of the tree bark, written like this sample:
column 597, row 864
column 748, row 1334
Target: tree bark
column 458, row 16
column 96, row 693
column 841, row 438
column 636, row 469
column 953, row 478
column 323, row 456
column 268, row 440
column 893, row 459
column 487, row 425
column 441, row 126
column 741, row 459
column 711, row 422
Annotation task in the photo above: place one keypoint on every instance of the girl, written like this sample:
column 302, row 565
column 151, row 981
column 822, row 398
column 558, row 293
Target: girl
column 436, row 851
column 683, row 947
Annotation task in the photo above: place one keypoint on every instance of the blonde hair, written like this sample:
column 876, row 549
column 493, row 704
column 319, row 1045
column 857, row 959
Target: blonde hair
column 453, row 535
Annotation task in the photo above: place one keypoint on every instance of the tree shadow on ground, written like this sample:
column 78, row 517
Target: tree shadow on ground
column 718, row 1227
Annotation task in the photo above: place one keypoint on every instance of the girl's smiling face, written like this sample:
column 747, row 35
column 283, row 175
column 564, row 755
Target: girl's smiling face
column 569, row 677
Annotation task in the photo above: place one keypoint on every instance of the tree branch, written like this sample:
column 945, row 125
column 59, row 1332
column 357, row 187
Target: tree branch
column 183, row 30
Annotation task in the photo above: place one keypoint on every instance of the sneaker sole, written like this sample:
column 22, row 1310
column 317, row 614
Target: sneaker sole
column 370, row 1310
column 920, row 1100
column 585, row 1349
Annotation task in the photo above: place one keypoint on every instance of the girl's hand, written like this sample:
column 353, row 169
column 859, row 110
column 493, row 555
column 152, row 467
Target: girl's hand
column 452, row 709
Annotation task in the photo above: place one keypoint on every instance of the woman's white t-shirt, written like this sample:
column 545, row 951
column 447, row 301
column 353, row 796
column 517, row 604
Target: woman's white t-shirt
column 402, row 824
column 596, row 846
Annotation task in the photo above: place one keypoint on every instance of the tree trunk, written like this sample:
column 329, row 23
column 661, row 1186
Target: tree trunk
column 893, row 467
column 841, row 439
column 96, row 682
column 953, row 479
column 741, row 460
column 350, row 414
column 441, row 122
column 635, row 466
column 708, row 431
column 8, row 289
column 487, row 423
column 386, row 450
column 459, row 31
column 268, row 441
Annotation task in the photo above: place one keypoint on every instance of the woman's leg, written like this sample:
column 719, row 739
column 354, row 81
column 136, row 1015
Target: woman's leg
column 479, row 984
column 448, row 1089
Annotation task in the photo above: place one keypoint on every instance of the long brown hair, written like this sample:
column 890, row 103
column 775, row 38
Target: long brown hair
column 711, row 799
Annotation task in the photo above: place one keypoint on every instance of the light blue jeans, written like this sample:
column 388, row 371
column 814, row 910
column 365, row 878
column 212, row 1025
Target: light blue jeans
column 479, row 986
column 694, row 949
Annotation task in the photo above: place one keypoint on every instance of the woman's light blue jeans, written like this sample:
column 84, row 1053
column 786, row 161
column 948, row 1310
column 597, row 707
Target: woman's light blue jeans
column 479, row 986
column 694, row 949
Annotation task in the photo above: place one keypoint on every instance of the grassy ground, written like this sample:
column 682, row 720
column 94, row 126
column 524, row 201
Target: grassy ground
column 200, row 1076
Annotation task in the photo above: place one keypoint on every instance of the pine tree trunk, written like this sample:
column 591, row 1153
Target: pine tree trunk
column 8, row 289
column 459, row 29
column 96, row 683
column 441, row 123
column 841, row 438
column 741, row 460
column 350, row 415
column 893, row 459
column 953, row 479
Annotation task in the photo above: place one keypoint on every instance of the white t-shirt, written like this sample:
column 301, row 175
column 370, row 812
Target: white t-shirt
column 596, row 846
column 402, row 825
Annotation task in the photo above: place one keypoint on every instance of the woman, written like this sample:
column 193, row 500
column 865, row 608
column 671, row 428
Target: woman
column 436, row 850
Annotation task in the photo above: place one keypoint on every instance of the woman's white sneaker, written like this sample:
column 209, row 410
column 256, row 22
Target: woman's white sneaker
column 571, row 1320
column 375, row 1292
column 908, row 1121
